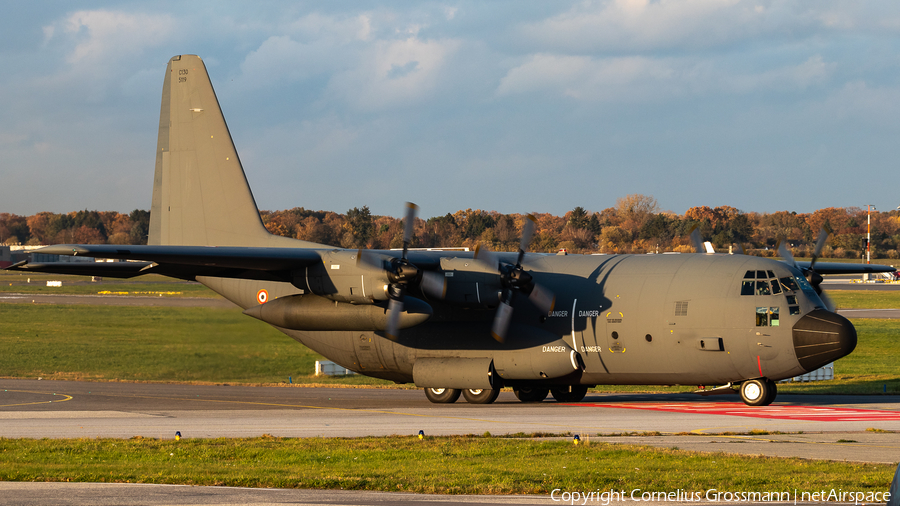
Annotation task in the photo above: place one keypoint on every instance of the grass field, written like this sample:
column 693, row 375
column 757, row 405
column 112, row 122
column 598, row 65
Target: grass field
column 160, row 344
column 455, row 465
column 152, row 285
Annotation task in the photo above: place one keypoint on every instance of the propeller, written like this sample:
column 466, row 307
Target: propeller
column 514, row 279
column 814, row 278
column 400, row 273
column 696, row 240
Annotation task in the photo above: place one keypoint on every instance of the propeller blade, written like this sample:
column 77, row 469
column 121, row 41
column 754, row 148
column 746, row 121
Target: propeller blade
column 740, row 249
column 542, row 298
column 696, row 240
column 829, row 304
column 433, row 284
column 408, row 225
column 368, row 258
column 527, row 235
column 395, row 307
column 785, row 253
column 501, row 321
column 824, row 232
column 486, row 256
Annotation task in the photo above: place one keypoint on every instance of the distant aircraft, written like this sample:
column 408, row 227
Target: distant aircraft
column 458, row 322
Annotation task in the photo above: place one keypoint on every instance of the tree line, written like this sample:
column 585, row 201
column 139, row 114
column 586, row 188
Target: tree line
column 634, row 225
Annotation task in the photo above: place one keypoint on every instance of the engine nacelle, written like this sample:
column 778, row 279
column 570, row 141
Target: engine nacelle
column 311, row 312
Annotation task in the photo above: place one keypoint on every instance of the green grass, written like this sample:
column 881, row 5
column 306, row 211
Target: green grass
column 152, row 285
column 455, row 465
column 865, row 299
column 160, row 344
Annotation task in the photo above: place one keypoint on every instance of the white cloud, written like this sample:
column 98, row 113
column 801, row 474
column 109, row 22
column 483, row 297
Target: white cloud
column 103, row 34
column 641, row 25
column 393, row 73
column 638, row 78
column 812, row 72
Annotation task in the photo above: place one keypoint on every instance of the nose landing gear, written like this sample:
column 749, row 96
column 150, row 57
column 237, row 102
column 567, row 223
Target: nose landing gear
column 758, row 392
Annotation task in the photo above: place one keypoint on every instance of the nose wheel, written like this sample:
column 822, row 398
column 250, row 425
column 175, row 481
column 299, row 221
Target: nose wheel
column 758, row 392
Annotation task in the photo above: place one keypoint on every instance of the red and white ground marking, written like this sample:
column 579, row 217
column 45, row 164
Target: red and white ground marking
column 810, row 413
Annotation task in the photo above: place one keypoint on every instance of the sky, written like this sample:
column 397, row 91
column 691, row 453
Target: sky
column 512, row 106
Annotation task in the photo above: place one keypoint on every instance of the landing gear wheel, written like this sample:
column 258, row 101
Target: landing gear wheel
column 569, row 393
column 758, row 392
column 442, row 395
column 531, row 394
column 773, row 391
column 480, row 395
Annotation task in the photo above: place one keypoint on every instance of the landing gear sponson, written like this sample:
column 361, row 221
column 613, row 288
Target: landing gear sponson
column 565, row 393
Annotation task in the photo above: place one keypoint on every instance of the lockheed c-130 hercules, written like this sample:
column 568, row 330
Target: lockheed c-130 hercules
column 458, row 322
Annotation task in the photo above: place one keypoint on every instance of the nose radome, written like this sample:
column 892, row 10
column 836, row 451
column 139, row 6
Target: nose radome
column 821, row 337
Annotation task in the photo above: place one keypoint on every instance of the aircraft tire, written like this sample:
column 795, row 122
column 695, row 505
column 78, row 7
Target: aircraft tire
column 481, row 395
column 442, row 395
column 773, row 391
column 531, row 394
column 569, row 393
column 758, row 392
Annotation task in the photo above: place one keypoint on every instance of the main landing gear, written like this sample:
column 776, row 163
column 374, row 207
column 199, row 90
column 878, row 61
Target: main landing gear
column 758, row 392
column 565, row 393
column 472, row 395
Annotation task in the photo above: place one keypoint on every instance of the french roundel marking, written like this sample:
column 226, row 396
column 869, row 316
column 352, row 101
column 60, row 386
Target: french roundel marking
column 262, row 296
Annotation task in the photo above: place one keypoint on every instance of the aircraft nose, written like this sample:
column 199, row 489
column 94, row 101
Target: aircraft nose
column 821, row 337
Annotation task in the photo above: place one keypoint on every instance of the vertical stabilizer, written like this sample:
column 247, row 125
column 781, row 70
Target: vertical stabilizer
column 200, row 193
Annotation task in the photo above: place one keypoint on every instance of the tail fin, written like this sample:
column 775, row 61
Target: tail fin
column 200, row 193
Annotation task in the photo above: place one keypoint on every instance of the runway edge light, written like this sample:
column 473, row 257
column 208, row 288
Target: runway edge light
column 177, row 435
column 576, row 439
column 421, row 434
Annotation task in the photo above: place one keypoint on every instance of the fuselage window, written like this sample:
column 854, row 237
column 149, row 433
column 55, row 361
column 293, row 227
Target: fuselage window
column 767, row 317
column 762, row 317
column 762, row 287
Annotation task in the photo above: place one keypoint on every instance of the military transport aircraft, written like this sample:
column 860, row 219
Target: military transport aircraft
column 461, row 322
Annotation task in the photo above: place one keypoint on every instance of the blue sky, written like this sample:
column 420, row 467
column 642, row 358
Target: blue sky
column 508, row 106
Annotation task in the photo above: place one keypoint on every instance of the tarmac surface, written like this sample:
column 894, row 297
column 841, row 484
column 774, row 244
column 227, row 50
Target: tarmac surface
column 814, row 427
column 817, row 427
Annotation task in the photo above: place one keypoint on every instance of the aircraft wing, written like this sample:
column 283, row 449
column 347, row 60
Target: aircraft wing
column 184, row 262
column 187, row 262
column 842, row 268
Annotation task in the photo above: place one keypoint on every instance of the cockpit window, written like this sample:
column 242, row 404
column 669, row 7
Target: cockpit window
column 789, row 284
column 771, row 274
column 750, row 275
column 776, row 287
column 747, row 287
column 762, row 287
column 760, row 274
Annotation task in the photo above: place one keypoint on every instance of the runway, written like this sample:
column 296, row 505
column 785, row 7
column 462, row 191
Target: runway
column 823, row 427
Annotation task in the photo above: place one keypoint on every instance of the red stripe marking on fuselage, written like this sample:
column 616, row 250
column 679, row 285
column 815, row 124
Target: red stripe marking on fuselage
column 824, row 414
